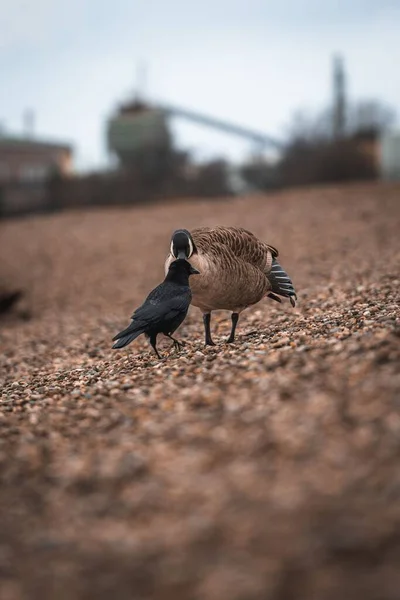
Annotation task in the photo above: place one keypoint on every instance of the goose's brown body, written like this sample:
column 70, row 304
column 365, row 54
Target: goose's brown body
column 235, row 269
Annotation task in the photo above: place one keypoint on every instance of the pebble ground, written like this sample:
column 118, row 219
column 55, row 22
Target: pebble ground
column 268, row 469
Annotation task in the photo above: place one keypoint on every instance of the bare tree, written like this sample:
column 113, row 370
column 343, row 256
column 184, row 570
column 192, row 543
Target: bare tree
column 365, row 116
column 370, row 116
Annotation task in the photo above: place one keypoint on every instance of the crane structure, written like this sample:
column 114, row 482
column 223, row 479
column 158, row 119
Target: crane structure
column 260, row 139
column 140, row 127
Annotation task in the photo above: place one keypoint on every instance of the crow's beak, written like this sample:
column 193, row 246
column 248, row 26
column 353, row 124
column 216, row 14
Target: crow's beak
column 194, row 271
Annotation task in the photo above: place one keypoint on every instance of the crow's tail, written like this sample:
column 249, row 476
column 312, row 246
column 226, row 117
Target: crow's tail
column 127, row 336
column 281, row 284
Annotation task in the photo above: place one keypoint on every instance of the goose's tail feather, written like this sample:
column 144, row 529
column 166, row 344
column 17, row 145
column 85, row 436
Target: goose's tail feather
column 274, row 297
column 281, row 284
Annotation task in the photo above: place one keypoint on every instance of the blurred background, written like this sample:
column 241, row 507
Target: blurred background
column 264, row 469
column 125, row 102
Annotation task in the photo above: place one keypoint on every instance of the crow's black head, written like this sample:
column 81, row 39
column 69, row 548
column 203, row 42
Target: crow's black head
column 181, row 265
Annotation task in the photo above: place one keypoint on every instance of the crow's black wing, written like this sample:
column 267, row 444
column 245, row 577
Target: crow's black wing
column 159, row 295
column 166, row 309
column 155, row 316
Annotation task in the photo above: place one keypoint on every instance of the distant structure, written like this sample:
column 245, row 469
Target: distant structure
column 262, row 140
column 29, row 123
column 138, row 135
column 390, row 156
column 27, row 166
column 339, row 98
column 25, row 159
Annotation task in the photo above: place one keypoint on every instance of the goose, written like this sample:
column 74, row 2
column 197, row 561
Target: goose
column 236, row 270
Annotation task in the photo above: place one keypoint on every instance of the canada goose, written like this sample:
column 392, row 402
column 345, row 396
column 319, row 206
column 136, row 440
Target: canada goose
column 236, row 271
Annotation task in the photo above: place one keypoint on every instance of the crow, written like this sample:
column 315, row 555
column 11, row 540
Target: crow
column 164, row 309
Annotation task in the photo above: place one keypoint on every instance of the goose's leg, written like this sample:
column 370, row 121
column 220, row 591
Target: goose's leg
column 207, row 330
column 235, row 319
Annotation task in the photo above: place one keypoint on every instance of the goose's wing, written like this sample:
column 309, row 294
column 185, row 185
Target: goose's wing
column 235, row 242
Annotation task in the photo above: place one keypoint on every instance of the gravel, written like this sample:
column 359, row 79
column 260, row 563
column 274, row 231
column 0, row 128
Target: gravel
column 268, row 469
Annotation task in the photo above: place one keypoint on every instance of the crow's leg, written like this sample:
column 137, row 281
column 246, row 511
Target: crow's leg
column 207, row 329
column 177, row 344
column 153, row 340
column 235, row 319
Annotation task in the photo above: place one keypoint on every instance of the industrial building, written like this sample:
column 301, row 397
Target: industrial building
column 26, row 166
column 25, row 159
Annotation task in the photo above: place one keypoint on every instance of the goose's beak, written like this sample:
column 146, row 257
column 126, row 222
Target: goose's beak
column 181, row 254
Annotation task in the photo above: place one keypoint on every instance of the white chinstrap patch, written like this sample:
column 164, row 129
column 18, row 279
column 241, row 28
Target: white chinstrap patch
column 190, row 247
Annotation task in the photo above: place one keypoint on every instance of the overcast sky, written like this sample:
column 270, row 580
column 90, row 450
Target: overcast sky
column 252, row 62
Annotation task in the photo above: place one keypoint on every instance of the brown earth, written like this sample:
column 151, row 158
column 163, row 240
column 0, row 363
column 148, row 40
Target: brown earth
column 265, row 470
